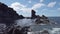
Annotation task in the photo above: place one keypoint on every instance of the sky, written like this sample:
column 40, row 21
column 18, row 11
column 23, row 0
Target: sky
column 50, row 8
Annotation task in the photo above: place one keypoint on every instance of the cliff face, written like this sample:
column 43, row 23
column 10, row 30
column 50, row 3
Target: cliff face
column 7, row 14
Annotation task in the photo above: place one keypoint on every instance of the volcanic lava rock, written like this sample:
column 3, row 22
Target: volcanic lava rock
column 7, row 14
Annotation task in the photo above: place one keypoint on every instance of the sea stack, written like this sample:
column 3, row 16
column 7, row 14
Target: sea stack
column 33, row 14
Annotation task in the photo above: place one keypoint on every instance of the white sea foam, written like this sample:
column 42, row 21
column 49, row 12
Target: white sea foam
column 55, row 31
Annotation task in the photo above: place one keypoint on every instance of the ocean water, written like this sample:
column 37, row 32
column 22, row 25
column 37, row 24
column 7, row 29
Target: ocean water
column 52, row 28
column 28, row 22
column 56, row 19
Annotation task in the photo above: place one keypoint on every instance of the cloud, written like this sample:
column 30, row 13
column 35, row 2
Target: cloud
column 38, row 5
column 51, row 4
column 17, row 6
column 41, row 0
column 20, row 8
column 44, row 10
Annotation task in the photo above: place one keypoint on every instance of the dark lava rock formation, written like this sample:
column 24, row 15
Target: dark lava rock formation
column 7, row 14
column 42, row 19
column 33, row 14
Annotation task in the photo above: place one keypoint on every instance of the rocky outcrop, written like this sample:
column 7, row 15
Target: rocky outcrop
column 21, row 17
column 45, row 32
column 42, row 19
column 33, row 14
column 18, row 30
column 7, row 14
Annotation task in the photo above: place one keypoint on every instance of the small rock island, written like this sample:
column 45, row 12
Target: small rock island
column 39, row 19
